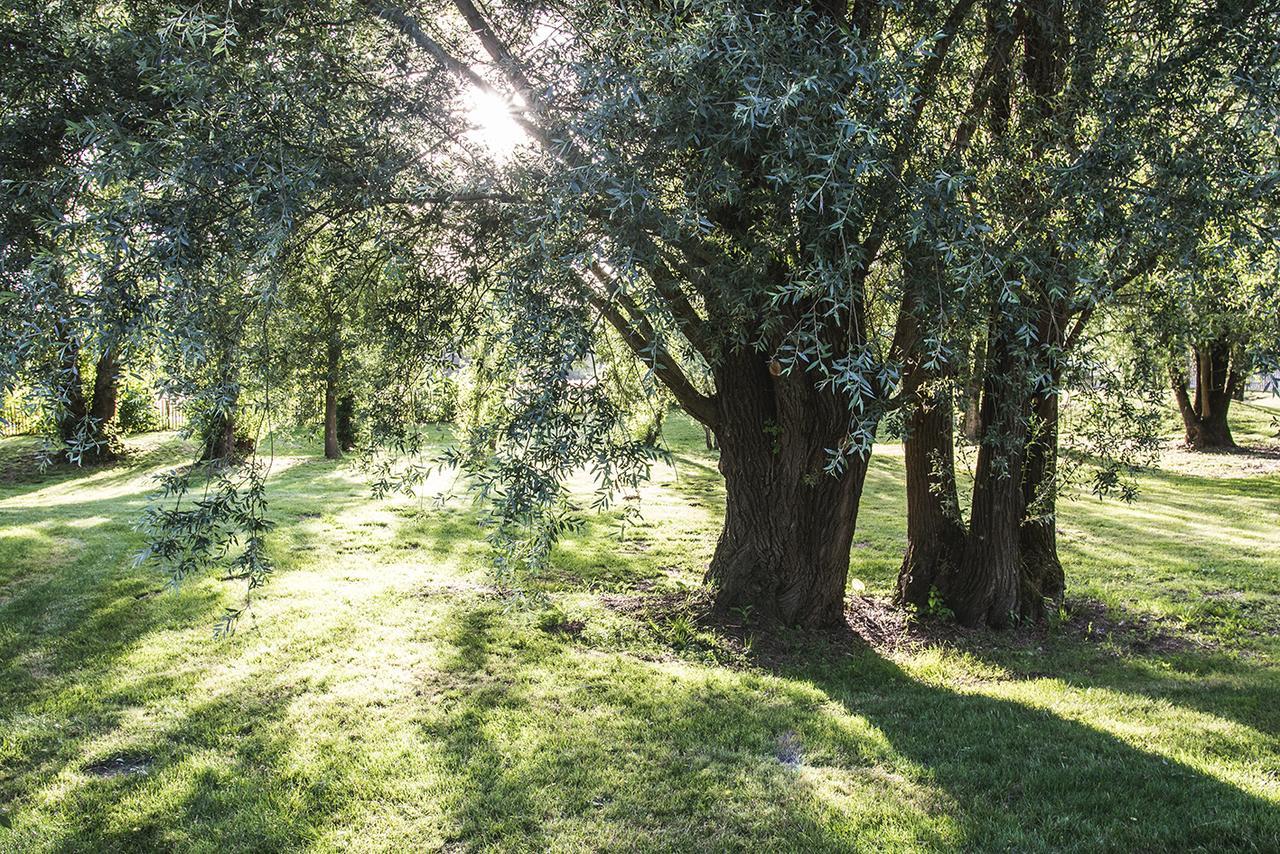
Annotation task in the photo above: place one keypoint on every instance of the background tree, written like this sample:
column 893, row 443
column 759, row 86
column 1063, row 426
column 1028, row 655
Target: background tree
column 1217, row 319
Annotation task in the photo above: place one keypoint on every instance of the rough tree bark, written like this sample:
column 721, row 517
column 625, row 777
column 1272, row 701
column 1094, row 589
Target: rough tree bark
column 986, row 587
column 220, row 441
column 783, row 553
column 74, row 409
column 1204, row 416
column 103, row 409
column 935, row 536
column 346, row 422
column 86, row 423
column 972, row 422
column 1042, row 576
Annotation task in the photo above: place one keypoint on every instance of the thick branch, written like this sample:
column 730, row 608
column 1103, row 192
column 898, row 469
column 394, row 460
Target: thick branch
column 644, row 344
column 497, row 49
column 409, row 26
column 929, row 77
column 1140, row 269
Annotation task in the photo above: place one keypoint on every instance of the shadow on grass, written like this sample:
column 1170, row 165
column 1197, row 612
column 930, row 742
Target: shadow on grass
column 1024, row 777
column 69, row 627
column 834, row 749
column 546, row 744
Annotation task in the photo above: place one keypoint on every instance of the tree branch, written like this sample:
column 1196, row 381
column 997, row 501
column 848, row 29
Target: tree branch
column 929, row 77
column 410, row 27
column 643, row 342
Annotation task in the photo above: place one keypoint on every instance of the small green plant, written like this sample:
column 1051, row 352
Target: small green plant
column 937, row 606
column 773, row 430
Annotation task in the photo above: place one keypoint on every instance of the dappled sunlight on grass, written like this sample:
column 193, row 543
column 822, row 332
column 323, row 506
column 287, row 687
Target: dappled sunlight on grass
column 385, row 695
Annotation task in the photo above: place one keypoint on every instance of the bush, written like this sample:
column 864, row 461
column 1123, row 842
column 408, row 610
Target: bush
column 136, row 410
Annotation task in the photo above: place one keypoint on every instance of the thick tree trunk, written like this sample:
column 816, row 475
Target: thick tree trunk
column 102, row 412
column 783, row 555
column 84, row 424
column 332, row 446
column 935, row 537
column 1042, row 576
column 986, row 587
column 106, row 388
column 220, row 442
column 1204, row 416
column 73, row 409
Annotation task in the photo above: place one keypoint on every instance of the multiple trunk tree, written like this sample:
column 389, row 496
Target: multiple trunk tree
column 794, row 432
column 86, row 426
column 1217, row 378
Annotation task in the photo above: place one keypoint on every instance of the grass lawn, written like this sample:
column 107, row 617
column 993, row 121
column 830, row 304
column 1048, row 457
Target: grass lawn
column 387, row 697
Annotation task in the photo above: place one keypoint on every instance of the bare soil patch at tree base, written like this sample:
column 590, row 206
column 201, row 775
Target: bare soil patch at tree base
column 1240, row 462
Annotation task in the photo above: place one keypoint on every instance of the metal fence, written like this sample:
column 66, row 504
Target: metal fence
column 19, row 418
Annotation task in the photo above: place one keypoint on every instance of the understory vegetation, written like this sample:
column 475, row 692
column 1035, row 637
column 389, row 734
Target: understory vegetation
column 385, row 694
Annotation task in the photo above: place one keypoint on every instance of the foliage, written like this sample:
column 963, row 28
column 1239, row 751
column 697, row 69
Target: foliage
column 137, row 412
column 704, row 192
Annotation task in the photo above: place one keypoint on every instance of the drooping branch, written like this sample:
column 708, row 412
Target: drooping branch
column 641, row 339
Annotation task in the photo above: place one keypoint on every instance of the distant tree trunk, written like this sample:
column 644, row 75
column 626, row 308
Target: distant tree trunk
column 220, row 434
column 972, row 422
column 1204, row 416
column 710, row 438
column 346, row 422
column 783, row 553
column 935, row 537
column 332, row 445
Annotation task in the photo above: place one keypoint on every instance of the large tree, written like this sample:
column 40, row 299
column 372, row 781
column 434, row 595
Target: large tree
column 1096, row 156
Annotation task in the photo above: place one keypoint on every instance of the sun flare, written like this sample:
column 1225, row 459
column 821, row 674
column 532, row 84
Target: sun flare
column 492, row 124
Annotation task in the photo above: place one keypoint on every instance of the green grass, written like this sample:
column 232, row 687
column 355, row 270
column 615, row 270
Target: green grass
column 386, row 697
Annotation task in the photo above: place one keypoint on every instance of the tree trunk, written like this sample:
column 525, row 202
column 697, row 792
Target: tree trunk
column 783, row 554
column 220, row 443
column 1204, row 416
column 972, row 423
column 1042, row 574
column 986, row 587
column 73, row 409
column 84, row 425
column 935, row 537
column 346, row 422
column 332, row 447
column 102, row 413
